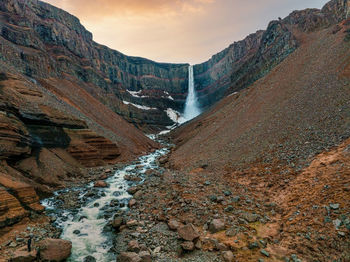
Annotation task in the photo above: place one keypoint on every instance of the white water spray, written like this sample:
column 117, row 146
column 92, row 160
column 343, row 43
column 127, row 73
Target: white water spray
column 191, row 107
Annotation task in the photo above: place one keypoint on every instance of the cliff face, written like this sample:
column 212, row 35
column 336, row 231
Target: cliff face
column 243, row 62
column 44, row 42
column 246, row 61
column 54, row 121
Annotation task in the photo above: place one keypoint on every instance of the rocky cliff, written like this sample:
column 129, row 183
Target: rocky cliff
column 54, row 121
column 44, row 42
column 246, row 61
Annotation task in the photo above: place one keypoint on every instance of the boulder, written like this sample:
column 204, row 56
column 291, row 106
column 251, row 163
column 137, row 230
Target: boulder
column 145, row 256
column 216, row 225
column 103, row 177
column 54, row 249
column 188, row 232
column 89, row 259
column 228, row 256
column 100, row 184
column 187, row 245
column 134, row 246
column 138, row 194
column 132, row 190
column 117, row 222
column 132, row 202
column 129, row 257
column 174, row 224
column 132, row 223
column 250, row 217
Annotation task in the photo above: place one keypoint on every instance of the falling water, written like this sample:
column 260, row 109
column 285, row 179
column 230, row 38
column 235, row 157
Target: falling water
column 191, row 107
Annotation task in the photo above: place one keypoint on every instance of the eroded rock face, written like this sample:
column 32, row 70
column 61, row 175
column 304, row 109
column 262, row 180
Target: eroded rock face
column 11, row 210
column 14, row 137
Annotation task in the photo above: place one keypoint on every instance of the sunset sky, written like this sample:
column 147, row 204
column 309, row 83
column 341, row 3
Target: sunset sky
column 188, row 31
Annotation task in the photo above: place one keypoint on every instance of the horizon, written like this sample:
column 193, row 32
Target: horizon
column 176, row 31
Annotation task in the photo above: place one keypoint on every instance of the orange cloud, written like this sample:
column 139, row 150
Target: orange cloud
column 93, row 8
column 177, row 30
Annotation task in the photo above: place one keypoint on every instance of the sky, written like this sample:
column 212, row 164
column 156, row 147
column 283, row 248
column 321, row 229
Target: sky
column 177, row 31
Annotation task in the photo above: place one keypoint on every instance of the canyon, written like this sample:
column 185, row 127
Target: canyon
column 261, row 175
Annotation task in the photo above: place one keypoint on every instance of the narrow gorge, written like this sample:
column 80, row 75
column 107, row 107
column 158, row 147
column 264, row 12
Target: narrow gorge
column 109, row 157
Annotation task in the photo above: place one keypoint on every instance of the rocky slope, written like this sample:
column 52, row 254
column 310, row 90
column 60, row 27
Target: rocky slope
column 246, row 61
column 298, row 109
column 270, row 160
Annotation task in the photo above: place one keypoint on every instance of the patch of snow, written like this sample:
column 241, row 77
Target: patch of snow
column 139, row 106
column 135, row 93
column 164, row 132
column 175, row 116
column 235, row 93
column 169, row 96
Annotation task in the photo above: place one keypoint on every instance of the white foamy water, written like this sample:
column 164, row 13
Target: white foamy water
column 191, row 107
column 84, row 227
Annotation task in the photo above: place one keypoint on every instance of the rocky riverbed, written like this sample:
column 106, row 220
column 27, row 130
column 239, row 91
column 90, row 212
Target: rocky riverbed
column 85, row 214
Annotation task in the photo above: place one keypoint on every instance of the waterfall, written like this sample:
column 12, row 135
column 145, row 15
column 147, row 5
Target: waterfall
column 191, row 107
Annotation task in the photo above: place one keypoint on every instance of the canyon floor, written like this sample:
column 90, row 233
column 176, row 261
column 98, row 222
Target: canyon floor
column 280, row 215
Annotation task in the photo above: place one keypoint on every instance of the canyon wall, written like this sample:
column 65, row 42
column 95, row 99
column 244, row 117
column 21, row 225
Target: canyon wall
column 246, row 61
column 47, row 42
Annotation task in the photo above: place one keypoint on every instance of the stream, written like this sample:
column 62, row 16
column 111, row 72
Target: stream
column 85, row 225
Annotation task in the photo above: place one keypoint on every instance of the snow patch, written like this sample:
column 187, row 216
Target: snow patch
column 139, row 106
column 175, row 116
column 136, row 93
column 235, row 93
column 164, row 132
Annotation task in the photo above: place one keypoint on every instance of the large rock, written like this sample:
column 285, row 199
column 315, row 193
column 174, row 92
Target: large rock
column 187, row 246
column 54, row 250
column 174, row 224
column 216, row 225
column 100, row 184
column 117, row 222
column 188, row 232
column 133, row 246
column 228, row 256
column 145, row 256
column 129, row 257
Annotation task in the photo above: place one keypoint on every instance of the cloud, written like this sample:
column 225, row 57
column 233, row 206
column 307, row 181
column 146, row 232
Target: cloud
column 177, row 30
column 103, row 8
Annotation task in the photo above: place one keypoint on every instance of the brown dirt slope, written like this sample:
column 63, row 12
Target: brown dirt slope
column 300, row 109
